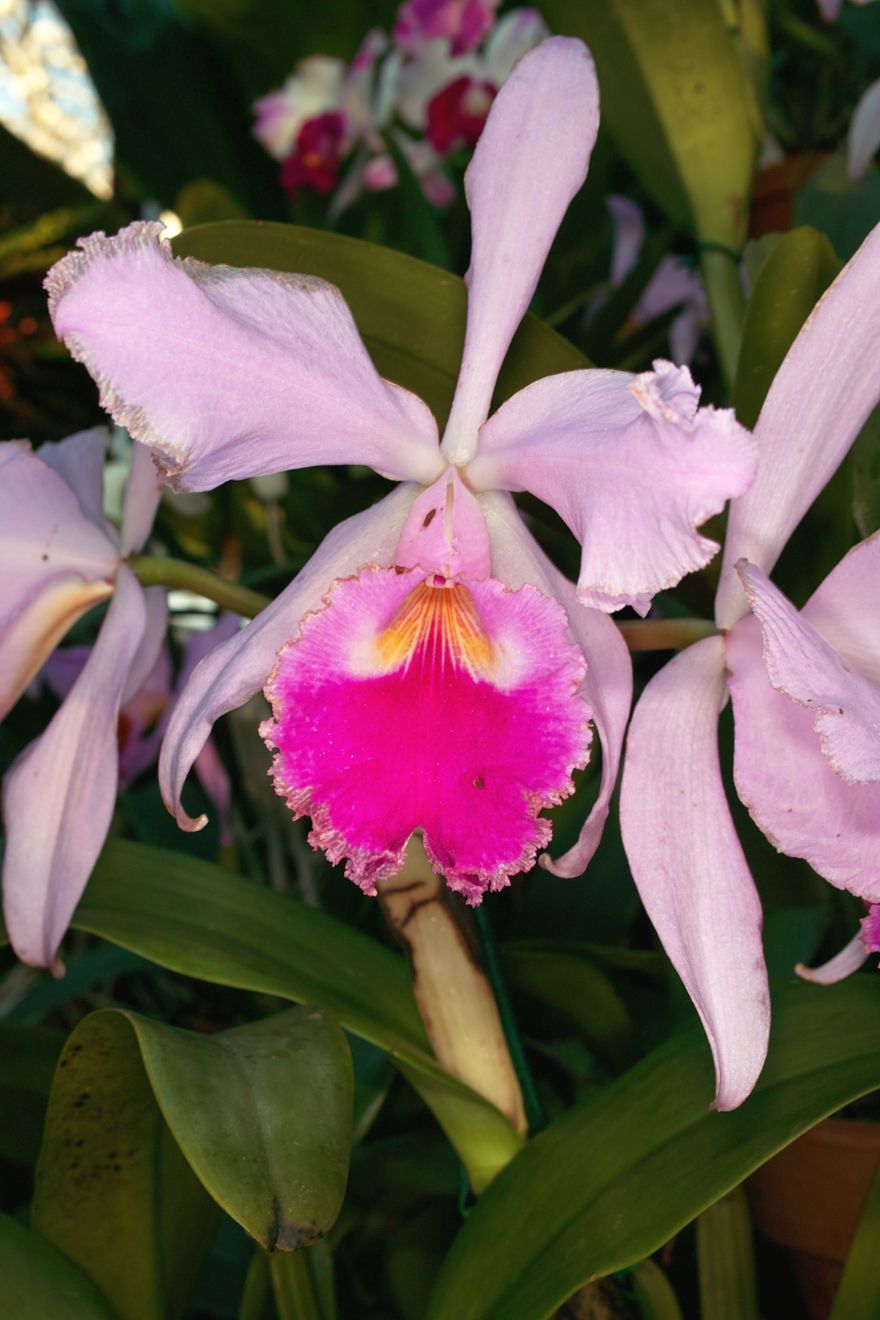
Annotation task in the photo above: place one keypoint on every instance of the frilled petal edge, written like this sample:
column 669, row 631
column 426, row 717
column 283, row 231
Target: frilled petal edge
column 228, row 373
column 631, row 463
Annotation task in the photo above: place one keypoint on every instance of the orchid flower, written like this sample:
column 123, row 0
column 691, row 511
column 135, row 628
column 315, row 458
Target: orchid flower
column 804, row 686
column 327, row 111
column 447, row 95
column 863, row 136
column 673, row 284
column 461, row 23
column 144, row 717
column 60, row 557
column 429, row 668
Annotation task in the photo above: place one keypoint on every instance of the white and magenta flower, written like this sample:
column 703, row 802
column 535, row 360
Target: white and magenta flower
column 804, row 686
column 461, row 24
column 429, row 669
column 60, row 557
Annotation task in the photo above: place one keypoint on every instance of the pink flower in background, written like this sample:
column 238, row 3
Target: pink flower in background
column 804, row 686
column 456, row 114
column 673, row 284
column 863, row 137
column 460, row 23
column 144, row 717
column 60, row 557
column 316, row 157
column 429, row 668
column 313, row 90
column 333, row 128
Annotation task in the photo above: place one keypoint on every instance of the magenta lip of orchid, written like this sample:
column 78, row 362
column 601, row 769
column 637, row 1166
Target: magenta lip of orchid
column 429, row 669
column 60, row 557
column 805, row 690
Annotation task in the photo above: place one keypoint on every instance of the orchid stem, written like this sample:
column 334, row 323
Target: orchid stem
column 664, row 634
column 537, row 1119
column 728, row 307
column 152, row 571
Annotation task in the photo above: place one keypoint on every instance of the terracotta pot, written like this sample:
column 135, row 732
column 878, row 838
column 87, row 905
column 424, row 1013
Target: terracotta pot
column 776, row 187
column 809, row 1197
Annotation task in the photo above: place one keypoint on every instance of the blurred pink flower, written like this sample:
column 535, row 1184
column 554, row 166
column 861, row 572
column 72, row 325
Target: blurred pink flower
column 460, row 23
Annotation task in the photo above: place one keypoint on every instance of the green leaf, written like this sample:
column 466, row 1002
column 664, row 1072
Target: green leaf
column 655, row 1294
column 28, row 1056
column 145, row 1119
column 858, row 1294
column 579, row 992
column 611, row 1181
column 197, row 919
column 677, row 99
column 726, row 1259
column 411, row 315
column 792, row 280
column 38, row 1281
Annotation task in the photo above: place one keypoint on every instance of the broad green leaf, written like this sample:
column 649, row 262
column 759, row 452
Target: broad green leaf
column 677, row 98
column 791, row 281
column 858, row 1294
column 726, row 1259
column 197, row 919
column 146, row 1119
column 28, row 1056
column 611, row 1181
column 37, row 1281
column 410, row 314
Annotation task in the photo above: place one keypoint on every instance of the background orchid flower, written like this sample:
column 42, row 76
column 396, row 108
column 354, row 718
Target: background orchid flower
column 804, row 692
column 59, row 556
column 673, row 284
column 461, row 23
column 428, row 668
column 144, row 717
column 863, row 135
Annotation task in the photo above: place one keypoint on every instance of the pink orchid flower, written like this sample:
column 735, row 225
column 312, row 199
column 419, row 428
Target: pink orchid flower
column 804, row 686
column 144, row 717
column 673, row 284
column 461, row 23
column 429, row 668
column 60, row 557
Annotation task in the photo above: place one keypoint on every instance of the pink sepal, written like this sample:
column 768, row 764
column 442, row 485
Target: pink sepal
column 689, row 866
column 58, row 798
